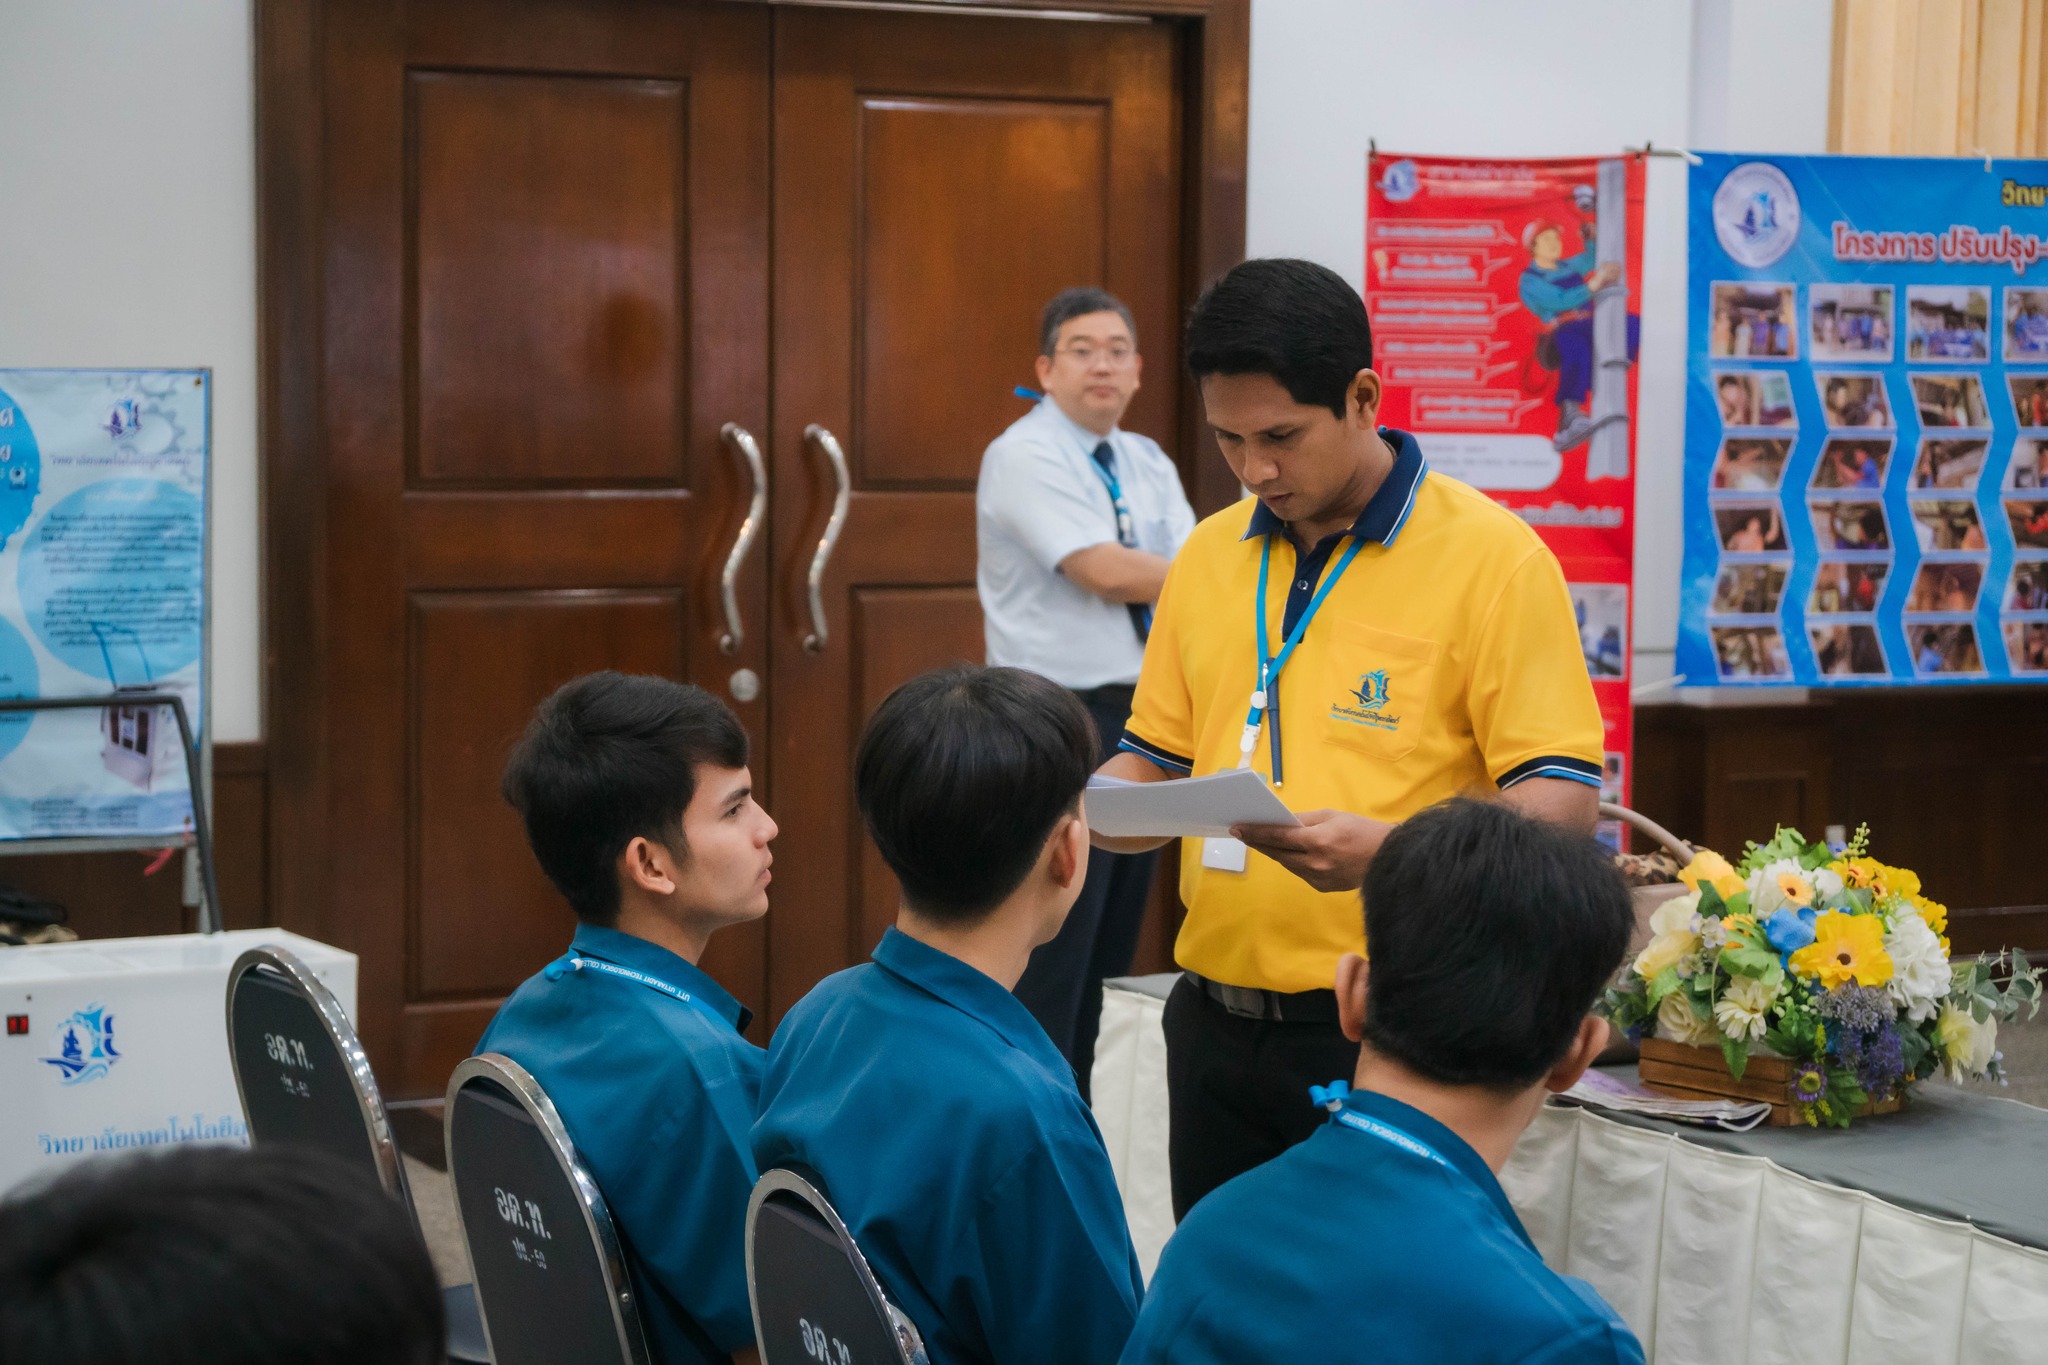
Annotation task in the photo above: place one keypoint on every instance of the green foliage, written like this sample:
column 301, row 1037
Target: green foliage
column 1735, row 1051
column 1711, row 902
column 1662, row 985
column 1786, row 843
column 1749, row 953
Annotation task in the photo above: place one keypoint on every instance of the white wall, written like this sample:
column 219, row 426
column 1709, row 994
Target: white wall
column 1557, row 78
column 128, row 238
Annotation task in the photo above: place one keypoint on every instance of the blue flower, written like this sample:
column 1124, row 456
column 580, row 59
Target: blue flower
column 1790, row 930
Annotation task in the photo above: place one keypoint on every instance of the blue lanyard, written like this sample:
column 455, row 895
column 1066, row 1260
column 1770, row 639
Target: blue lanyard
column 1414, row 1146
column 572, row 962
column 1126, row 533
column 1267, row 698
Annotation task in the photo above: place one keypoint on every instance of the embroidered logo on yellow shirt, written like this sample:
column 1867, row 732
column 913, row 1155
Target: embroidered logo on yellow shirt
column 1371, row 697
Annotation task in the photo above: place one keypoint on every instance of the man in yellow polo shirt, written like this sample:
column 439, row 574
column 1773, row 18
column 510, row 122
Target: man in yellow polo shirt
column 1414, row 641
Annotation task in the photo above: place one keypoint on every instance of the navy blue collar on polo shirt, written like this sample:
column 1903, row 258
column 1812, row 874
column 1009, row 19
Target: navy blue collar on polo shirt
column 1382, row 518
column 1445, row 1143
column 629, row 950
column 968, row 990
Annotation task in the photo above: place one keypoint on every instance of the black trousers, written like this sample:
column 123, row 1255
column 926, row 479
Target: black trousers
column 1062, row 986
column 1237, row 1089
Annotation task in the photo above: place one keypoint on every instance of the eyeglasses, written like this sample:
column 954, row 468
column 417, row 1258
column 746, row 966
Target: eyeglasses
column 1117, row 355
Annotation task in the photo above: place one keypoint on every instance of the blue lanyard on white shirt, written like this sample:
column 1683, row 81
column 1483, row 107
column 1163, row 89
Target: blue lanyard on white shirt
column 1126, row 528
column 1414, row 1146
column 1267, row 697
column 572, row 962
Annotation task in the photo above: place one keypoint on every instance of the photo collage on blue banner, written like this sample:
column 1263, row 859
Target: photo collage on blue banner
column 1866, row 422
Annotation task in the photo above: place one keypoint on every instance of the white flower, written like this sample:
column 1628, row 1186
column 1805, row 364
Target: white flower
column 1767, row 894
column 1920, row 972
column 1741, row 1009
column 1676, row 915
column 1678, row 1024
column 1967, row 1046
column 1826, row 884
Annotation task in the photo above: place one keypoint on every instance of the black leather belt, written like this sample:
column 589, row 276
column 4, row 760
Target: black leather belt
column 1280, row 1007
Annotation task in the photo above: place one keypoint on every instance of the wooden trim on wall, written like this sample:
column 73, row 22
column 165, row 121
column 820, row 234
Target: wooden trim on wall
column 292, row 458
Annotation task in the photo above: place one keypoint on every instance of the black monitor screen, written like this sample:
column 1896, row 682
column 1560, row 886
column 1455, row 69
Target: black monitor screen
column 538, row 1277
column 295, row 1086
column 813, row 1305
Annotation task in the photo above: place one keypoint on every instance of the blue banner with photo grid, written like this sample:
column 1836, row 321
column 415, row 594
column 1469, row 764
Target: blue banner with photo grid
column 1866, row 428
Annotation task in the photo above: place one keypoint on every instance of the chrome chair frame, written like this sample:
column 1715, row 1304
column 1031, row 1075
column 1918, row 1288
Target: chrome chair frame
column 514, row 1079
column 779, row 1180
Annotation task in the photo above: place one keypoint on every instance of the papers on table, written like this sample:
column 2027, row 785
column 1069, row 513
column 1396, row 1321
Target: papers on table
column 1188, row 807
column 1604, row 1090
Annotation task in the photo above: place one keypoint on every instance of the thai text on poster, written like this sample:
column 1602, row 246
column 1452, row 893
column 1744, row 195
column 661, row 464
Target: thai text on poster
column 1503, row 302
column 1866, row 437
column 102, row 592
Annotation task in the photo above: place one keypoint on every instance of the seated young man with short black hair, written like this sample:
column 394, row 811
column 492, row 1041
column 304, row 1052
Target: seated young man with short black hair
column 1386, row 1233
column 638, row 804
column 226, row 1255
column 945, row 1125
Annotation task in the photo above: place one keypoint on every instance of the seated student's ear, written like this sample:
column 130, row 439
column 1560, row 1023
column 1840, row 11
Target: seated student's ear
column 1352, row 971
column 1590, row 1041
column 1068, row 862
column 649, row 865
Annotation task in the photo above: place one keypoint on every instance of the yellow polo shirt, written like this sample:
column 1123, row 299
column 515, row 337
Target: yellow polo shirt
column 1446, row 660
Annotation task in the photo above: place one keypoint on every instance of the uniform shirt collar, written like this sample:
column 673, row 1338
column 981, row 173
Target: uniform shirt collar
column 629, row 950
column 1447, row 1144
column 1057, row 415
column 967, row 990
column 1385, row 513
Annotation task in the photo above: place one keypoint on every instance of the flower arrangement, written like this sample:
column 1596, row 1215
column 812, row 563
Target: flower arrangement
column 1829, row 959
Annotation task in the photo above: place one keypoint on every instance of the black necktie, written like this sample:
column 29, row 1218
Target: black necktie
column 1141, row 615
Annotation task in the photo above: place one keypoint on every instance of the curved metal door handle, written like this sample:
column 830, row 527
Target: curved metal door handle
column 814, row 643
column 739, row 439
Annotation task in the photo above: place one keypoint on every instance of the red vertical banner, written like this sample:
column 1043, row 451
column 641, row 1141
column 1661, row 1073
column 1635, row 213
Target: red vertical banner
column 1504, row 303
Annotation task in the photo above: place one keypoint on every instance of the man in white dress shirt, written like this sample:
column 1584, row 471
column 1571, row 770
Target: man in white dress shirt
column 1076, row 522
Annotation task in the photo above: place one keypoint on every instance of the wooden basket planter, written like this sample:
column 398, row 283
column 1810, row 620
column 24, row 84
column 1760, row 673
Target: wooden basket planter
column 1687, row 1072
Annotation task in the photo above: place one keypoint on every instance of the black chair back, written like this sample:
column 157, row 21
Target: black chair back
column 304, row 1079
column 550, row 1273
column 815, row 1300
column 301, row 1070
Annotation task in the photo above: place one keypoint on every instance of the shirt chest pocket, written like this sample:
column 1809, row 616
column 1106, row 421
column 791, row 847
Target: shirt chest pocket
column 1376, row 690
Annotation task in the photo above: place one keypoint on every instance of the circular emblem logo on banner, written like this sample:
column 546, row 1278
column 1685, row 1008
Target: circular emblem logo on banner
column 1399, row 182
column 1756, row 214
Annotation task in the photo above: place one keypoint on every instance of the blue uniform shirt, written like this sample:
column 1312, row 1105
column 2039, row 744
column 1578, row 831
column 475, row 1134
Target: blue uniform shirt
column 657, row 1096
column 1393, row 1245
column 952, row 1140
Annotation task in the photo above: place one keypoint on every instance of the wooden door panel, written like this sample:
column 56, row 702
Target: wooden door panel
column 937, row 178
column 902, row 632
column 1018, row 214
column 546, row 221
column 544, row 289
column 483, row 919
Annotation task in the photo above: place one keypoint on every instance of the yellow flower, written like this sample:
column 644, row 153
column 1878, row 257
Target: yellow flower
column 1711, row 869
column 1795, row 889
column 1845, row 948
column 1665, row 950
column 1862, row 874
column 1933, row 912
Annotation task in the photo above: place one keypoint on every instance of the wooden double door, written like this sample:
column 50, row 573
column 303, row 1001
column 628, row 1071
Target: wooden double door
column 561, row 255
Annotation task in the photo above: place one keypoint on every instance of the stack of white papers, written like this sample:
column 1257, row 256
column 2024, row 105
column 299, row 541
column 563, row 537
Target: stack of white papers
column 1189, row 807
column 1604, row 1090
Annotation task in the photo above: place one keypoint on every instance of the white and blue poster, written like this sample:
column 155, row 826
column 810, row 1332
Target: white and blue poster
column 102, row 593
column 1866, row 434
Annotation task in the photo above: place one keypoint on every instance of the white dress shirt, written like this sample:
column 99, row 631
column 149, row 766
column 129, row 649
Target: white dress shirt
column 1040, row 498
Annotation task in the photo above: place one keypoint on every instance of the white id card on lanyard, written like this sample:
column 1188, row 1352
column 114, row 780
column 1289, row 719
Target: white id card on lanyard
column 1223, row 855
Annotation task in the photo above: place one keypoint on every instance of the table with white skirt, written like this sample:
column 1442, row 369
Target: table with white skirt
column 1775, row 1246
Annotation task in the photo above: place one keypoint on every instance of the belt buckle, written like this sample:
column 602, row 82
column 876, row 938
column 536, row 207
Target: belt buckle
column 1248, row 1001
